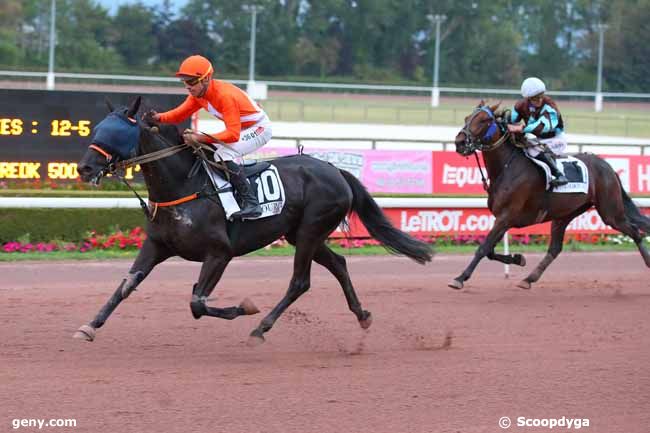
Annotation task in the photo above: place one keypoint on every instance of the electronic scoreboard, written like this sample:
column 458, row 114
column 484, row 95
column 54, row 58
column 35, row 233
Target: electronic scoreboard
column 43, row 134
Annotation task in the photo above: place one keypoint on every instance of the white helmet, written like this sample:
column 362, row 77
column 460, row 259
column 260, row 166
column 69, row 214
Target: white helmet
column 532, row 86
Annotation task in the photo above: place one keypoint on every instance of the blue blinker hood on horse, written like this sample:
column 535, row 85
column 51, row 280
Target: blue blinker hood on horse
column 117, row 134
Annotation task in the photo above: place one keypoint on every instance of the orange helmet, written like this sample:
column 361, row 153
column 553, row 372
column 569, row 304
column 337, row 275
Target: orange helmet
column 195, row 66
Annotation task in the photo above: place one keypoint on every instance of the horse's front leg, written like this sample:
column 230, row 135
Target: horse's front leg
column 211, row 273
column 487, row 247
column 149, row 256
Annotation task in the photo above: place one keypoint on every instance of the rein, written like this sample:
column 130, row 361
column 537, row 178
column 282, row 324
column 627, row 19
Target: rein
column 153, row 156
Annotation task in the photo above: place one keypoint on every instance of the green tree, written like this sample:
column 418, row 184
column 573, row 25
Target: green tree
column 83, row 29
column 483, row 42
column 11, row 16
column 479, row 44
column 278, row 33
column 627, row 52
column 133, row 35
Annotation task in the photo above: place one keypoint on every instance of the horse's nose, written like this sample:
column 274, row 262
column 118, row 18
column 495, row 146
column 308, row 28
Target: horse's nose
column 84, row 171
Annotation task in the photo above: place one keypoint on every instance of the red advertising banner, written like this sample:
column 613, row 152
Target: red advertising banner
column 633, row 170
column 441, row 222
column 455, row 174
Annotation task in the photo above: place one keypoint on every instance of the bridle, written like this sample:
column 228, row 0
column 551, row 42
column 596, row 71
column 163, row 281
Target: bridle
column 116, row 168
column 473, row 143
column 169, row 150
column 483, row 143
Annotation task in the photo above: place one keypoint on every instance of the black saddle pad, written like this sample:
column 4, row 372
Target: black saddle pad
column 572, row 171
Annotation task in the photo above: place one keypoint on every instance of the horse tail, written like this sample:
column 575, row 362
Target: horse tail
column 634, row 214
column 380, row 228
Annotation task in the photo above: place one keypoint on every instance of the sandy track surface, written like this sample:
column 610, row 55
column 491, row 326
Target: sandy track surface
column 574, row 346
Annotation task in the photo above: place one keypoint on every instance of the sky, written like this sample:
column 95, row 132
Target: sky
column 113, row 5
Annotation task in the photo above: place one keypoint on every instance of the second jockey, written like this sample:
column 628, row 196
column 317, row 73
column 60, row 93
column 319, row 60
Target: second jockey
column 542, row 119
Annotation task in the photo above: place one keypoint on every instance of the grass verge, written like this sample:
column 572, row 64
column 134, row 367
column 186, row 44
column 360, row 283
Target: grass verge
column 289, row 251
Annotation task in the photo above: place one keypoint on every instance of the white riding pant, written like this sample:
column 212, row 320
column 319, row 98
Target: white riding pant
column 557, row 145
column 250, row 140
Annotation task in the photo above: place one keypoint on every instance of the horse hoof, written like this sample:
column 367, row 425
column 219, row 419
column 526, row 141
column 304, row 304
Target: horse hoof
column 85, row 332
column 249, row 307
column 365, row 323
column 255, row 340
column 520, row 260
column 455, row 284
column 524, row 284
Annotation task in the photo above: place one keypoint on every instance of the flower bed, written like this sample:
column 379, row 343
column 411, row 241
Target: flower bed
column 133, row 240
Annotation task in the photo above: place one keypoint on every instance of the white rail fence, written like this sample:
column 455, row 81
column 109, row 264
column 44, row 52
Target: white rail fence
column 329, row 86
column 133, row 203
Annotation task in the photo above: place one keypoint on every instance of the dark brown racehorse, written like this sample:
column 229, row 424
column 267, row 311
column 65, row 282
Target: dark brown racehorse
column 517, row 195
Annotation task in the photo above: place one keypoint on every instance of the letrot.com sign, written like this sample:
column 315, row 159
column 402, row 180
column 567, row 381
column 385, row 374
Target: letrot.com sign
column 474, row 221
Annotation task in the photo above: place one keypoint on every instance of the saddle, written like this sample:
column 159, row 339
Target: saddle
column 574, row 169
column 264, row 179
column 250, row 168
column 254, row 167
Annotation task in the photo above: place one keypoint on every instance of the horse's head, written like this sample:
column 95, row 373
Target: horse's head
column 113, row 139
column 481, row 130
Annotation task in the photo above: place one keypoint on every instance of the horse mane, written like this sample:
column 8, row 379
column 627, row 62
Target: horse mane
column 170, row 132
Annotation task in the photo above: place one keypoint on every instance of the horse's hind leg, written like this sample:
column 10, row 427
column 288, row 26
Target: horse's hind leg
column 487, row 247
column 335, row 263
column 149, row 256
column 211, row 273
column 300, row 281
column 308, row 238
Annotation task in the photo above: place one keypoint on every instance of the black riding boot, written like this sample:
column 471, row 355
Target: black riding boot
column 250, row 207
column 560, row 179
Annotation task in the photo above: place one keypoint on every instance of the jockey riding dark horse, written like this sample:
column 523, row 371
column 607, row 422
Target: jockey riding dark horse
column 318, row 197
column 517, row 195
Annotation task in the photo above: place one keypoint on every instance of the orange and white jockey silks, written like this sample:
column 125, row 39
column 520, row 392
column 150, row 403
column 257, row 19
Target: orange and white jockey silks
column 230, row 104
column 250, row 140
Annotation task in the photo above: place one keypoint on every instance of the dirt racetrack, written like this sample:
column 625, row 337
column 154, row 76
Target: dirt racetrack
column 575, row 346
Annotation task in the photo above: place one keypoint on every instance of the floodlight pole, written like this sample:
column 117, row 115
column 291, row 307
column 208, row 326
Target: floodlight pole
column 253, row 9
column 435, row 91
column 50, row 69
column 254, row 90
column 599, row 83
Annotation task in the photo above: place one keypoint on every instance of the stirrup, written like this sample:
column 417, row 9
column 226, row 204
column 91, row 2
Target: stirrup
column 559, row 181
column 248, row 213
